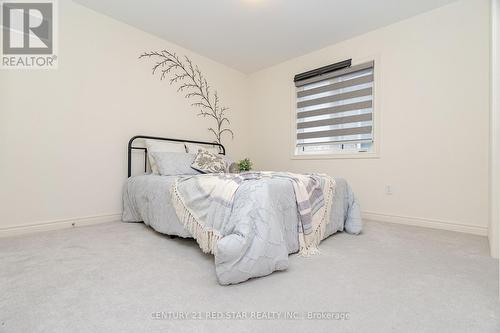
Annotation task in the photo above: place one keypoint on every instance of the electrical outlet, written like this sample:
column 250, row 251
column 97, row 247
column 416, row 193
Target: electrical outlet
column 388, row 189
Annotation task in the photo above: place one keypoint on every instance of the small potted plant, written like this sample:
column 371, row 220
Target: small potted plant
column 245, row 165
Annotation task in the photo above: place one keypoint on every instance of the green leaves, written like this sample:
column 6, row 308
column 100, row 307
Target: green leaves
column 245, row 164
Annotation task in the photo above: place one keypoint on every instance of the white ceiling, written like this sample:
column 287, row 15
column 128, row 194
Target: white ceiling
column 249, row 35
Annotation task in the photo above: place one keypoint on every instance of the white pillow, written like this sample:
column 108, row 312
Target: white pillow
column 194, row 149
column 172, row 164
column 155, row 146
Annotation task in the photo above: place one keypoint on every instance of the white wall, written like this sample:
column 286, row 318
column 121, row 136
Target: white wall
column 63, row 133
column 434, row 118
column 495, row 128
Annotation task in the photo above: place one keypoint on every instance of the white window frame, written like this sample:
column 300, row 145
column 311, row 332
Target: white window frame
column 375, row 152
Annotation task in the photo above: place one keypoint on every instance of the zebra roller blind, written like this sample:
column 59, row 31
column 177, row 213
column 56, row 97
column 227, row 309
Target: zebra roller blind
column 336, row 108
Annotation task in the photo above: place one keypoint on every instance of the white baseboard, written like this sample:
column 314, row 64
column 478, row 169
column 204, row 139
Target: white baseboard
column 58, row 224
column 371, row 216
column 426, row 223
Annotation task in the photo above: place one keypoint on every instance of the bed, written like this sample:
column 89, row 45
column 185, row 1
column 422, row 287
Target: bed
column 260, row 228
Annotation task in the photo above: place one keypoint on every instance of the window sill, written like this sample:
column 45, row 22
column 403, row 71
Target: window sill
column 335, row 156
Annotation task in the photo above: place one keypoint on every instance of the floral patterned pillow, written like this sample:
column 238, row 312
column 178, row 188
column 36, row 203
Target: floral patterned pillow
column 208, row 162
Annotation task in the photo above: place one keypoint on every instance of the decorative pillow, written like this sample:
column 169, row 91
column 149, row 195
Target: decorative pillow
column 171, row 164
column 194, row 149
column 208, row 162
column 161, row 146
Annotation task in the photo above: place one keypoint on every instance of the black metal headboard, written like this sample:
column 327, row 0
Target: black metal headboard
column 131, row 147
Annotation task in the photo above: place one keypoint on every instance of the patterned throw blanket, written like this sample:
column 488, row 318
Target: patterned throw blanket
column 203, row 204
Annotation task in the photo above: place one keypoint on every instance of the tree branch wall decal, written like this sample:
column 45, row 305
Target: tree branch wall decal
column 194, row 85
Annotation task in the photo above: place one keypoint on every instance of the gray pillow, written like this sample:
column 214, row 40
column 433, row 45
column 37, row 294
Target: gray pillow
column 171, row 164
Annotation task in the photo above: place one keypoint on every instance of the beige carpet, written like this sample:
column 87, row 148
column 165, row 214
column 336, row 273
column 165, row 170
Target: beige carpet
column 121, row 277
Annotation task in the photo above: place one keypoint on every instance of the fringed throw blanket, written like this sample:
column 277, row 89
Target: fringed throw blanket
column 204, row 203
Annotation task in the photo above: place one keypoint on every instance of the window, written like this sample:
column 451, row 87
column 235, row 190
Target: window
column 334, row 112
